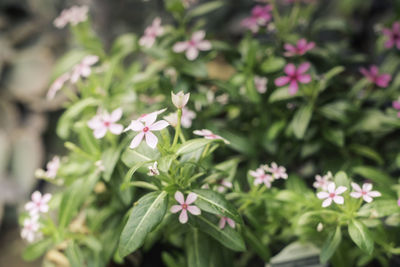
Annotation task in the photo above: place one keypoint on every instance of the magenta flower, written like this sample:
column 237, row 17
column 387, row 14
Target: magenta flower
column 262, row 177
column 381, row 80
column 322, row 181
column 224, row 220
column 145, row 130
column 103, row 122
column 294, row 76
column 364, row 192
column 73, row 15
column 30, row 229
column 207, row 134
column 260, row 16
column 151, row 33
column 184, row 206
column 261, row 84
column 396, row 105
column 83, row 69
column 193, row 46
column 299, row 49
column 52, row 167
column 332, row 194
column 277, row 171
column 57, row 85
column 393, row 35
column 38, row 203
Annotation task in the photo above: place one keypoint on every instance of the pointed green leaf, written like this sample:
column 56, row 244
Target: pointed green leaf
column 360, row 235
column 197, row 249
column 193, row 145
column 301, row 120
column 330, row 245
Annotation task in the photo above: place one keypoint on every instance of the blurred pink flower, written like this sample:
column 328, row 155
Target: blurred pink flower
column 151, row 33
column 57, row 85
column 277, row 171
column 185, row 206
column 261, row 84
column 260, row 16
column 261, row 177
column 207, row 134
column 145, row 130
column 193, row 46
column 224, row 220
column 73, row 15
column 38, row 203
column 83, row 69
column 30, row 229
column 396, row 105
column 300, row 48
column 52, row 167
column 322, row 181
column 364, row 192
column 373, row 76
column 223, row 185
column 393, row 35
column 332, row 194
column 103, row 122
column 294, row 76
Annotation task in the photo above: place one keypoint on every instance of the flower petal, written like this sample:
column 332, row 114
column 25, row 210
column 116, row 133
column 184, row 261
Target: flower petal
column 136, row 126
column 293, row 87
column 304, row 78
column 204, row 45
column 36, row 196
column 192, row 53
column 176, row 208
column 327, row 202
column 179, row 47
column 322, row 195
column 338, row 199
column 159, row 125
column 100, row 132
column 179, row 197
column 191, row 198
column 136, row 140
column 222, row 223
column 198, row 36
column 340, row 190
column 116, row 115
column 355, row 194
column 151, row 139
column 183, row 217
column 194, row 210
column 116, row 128
column 303, row 67
column 281, row 81
column 356, row 187
column 290, row 69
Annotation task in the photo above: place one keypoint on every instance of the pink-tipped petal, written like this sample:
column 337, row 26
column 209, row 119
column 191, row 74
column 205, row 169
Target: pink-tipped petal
column 191, row 198
column 179, row 197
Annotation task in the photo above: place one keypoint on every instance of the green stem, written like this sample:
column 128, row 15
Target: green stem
column 178, row 128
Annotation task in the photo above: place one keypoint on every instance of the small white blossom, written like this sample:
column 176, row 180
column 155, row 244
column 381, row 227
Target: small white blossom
column 30, row 229
column 364, row 192
column 39, row 203
column 332, row 193
column 103, row 122
column 180, row 99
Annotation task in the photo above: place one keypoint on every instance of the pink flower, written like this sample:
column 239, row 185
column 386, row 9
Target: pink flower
column 83, row 69
column 373, row 76
column 398, row 202
column 364, row 192
column 277, row 171
column 224, row 220
column 262, row 177
column 103, row 122
column 57, row 85
column 186, row 119
column 193, row 46
column 30, row 229
column 260, row 16
column 185, row 206
column 209, row 135
column 38, row 203
column 73, row 15
column 145, row 130
column 294, row 76
column 393, row 35
column 322, row 181
column 261, row 84
column 151, row 33
column 52, row 167
column 300, row 48
column 396, row 105
column 332, row 194
column 224, row 184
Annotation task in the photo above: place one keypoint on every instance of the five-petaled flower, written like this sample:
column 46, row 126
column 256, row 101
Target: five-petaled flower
column 294, row 76
column 180, row 99
column 299, row 49
column 261, row 84
column 73, row 15
column 103, row 122
column 393, row 35
column 39, row 203
column 207, row 134
column 151, row 33
column 224, row 220
column 184, row 206
column 83, row 69
column 52, row 167
column 277, row 171
column 153, row 170
column 262, row 177
column 30, row 229
column 260, row 16
column 381, row 80
column 396, row 105
column 364, row 192
column 145, row 130
column 193, row 46
column 57, row 85
column 322, row 181
column 332, row 193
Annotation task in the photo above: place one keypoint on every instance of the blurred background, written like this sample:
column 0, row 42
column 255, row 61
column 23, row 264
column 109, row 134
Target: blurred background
column 29, row 47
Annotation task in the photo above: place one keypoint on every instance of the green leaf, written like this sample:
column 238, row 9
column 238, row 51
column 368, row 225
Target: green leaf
column 145, row 216
column 258, row 247
column 333, row 72
column 301, row 120
column 34, row 251
column 131, row 171
column 124, row 45
column 196, row 68
column 216, row 203
column 330, row 245
column 335, row 136
column 272, row 64
column 140, row 154
column 341, row 179
column 336, row 111
column 360, row 235
column 193, row 145
column 197, row 249
column 374, row 174
column 228, row 237
column 109, row 159
column 74, row 255
column 204, row 9
column 367, row 152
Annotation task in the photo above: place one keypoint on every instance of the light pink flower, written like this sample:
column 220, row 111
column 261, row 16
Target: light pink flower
column 151, row 33
column 142, row 117
column 224, row 220
column 398, row 202
column 103, row 122
column 57, row 85
column 193, row 46
column 83, row 69
column 393, row 35
column 373, row 76
column 396, row 105
column 39, row 203
column 364, row 192
column 260, row 16
column 322, row 181
column 73, row 15
column 185, row 206
column 262, row 177
column 294, row 76
column 186, row 119
column 30, row 229
column 277, row 171
column 153, row 170
column 52, row 167
column 301, row 47
column 207, row 134
column 145, row 130
column 332, row 193
column 223, row 185
column 261, row 84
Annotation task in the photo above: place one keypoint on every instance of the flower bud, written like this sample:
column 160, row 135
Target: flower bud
column 320, row 227
column 180, row 99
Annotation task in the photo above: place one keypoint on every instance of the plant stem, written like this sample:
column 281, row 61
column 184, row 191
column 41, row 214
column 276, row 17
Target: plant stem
column 177, row 128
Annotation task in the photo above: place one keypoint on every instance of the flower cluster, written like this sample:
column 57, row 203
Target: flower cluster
column 267, row 174
column 381, row 80
column 392, row 35
column 74, row 15
column 151, row 33
column 260, row 16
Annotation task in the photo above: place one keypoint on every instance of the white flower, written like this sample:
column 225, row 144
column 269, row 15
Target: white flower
column 180, row 99
column 39, row 203
column 193, row 45
column 277, row 171
column 320, row 227
column 224, row 220
column 261, row 84
column 30, row 229
column 261, row 177
column 153, row 170
column 52, row 167
column 103, row 122
column 332, row 194
column 57, row 85
column 207, row 134
column 364, row 192
column 73, row 15
column 185, row 206
column 83, row 69
column 322, row 181
column 145, row 131
column 100, row 166
column 151, row 33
